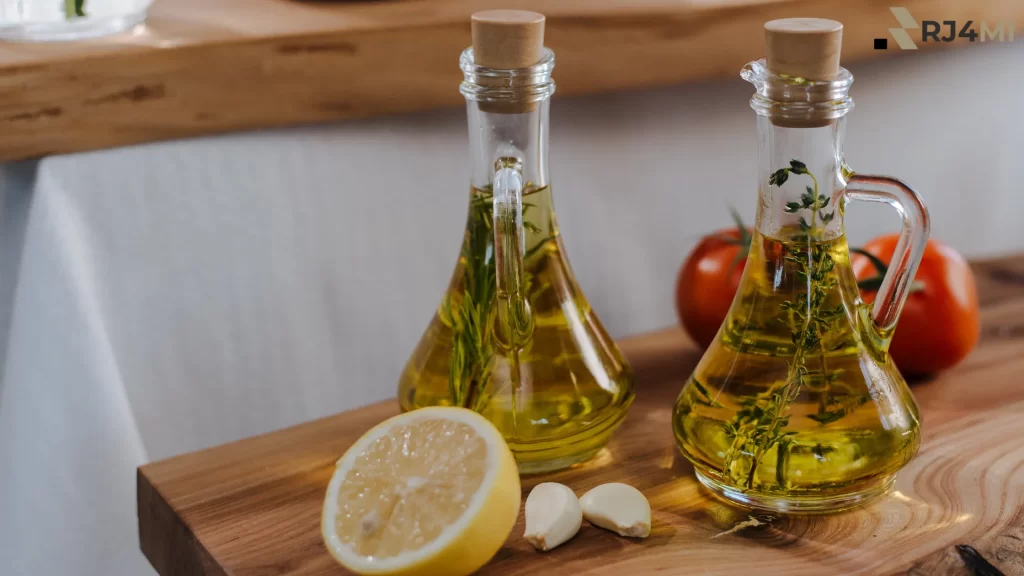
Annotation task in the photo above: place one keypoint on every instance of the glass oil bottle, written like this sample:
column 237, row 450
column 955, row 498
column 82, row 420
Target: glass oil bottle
column 514, row 338
column 796, row 405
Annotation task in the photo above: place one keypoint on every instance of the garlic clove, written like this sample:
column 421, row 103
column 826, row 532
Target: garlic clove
column 553, row 515
column 619, row 508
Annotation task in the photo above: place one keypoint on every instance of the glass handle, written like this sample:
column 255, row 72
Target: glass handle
column 515, row 319
column 909, row 249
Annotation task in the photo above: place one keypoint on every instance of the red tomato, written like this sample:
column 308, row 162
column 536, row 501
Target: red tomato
column 939, row 325
column 708, row 281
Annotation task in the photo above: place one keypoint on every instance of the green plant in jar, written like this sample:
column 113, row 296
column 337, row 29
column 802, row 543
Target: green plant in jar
column 514, row 338
column 74, row 9
column 795, row 405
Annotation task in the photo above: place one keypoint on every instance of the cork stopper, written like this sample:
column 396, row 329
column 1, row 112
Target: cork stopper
column 507, row 39
column 804, row 47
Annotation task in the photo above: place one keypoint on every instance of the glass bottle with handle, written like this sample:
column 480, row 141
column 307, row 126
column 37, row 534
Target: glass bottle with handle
column 796, row 405
column 514, row 338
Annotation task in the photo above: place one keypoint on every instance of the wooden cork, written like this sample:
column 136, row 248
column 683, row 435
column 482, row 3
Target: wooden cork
column 507, row 39
column 803, row 47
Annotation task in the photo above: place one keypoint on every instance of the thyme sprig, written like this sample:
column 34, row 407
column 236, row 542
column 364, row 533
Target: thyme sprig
column 471, row 317
column 760, row 423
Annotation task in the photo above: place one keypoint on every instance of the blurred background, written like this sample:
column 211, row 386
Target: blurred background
column 173, row 295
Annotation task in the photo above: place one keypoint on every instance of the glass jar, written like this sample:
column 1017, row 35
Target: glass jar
column 514, row 338
column 796, row 404
column 55, row 20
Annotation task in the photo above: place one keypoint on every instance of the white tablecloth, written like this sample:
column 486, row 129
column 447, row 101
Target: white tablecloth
column 164, row 298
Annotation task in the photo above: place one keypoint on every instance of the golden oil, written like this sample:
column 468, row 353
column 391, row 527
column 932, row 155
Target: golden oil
column 793, row 406
column 796, row 405
column 559, row 395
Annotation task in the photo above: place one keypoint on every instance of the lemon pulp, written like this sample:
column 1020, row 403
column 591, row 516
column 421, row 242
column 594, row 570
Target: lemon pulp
column 434, row 491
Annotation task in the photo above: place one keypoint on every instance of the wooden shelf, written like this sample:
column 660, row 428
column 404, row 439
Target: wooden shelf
column 253, row 507
column 210, row 66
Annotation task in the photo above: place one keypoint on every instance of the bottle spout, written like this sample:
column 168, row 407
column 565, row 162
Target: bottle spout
column 515, row 318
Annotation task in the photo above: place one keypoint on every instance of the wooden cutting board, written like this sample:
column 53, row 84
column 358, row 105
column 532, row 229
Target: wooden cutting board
column 253, row 507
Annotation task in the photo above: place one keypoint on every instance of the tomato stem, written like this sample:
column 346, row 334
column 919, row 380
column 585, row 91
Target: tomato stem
column 874, row 283
column 743, row 242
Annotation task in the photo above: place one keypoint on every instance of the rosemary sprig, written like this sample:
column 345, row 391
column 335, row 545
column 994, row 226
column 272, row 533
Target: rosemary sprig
column 74, row 9
column 704, row 397
column 760, row 423
column 472, row 316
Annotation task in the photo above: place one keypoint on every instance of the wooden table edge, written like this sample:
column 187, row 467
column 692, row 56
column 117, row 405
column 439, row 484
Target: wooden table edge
column 222, row 70
column 1001, row 278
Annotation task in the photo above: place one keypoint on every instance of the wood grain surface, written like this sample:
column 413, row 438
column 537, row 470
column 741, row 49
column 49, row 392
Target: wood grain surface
column 253, row 507
column 210, row 66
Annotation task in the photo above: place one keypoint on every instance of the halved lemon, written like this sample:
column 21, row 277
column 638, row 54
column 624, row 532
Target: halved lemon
column 434, row 491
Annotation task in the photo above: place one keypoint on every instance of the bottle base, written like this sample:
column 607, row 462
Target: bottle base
column 76, row 29
column 561, row 453
column 863, row 494
column 543, row 466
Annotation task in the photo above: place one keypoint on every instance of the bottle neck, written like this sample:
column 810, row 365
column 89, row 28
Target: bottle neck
column 801, row 176
column 495, row 136
column 801, row 172
column 508, row 119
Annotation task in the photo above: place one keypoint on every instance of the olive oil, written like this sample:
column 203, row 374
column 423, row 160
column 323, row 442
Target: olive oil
column 796, row 405
column 513, row 338
column 793, row 400
column 559, row 395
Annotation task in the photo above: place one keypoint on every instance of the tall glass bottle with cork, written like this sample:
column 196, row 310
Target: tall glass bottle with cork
column 796, row 405
column 514, row 338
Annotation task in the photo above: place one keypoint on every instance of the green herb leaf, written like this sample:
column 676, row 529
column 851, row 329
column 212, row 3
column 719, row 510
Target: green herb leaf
column 706, row 399
column 779, row 177
column 827, row 262
column 807, row 198
column 819, row 452
column 827, row 417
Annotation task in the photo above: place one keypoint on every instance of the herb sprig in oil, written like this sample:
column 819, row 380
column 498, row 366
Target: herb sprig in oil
column 760, row 423
column 471, row 316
